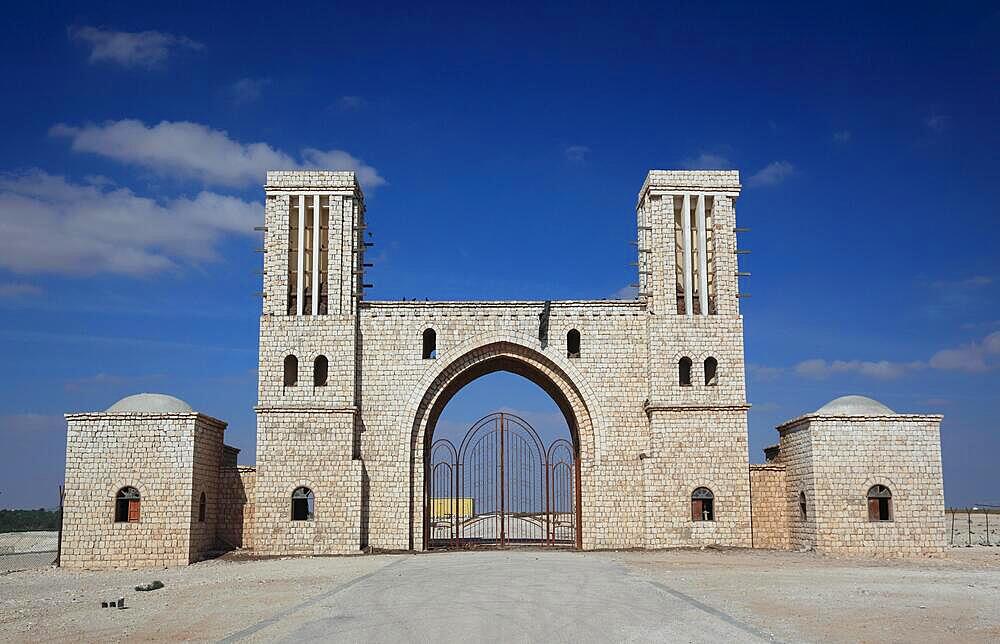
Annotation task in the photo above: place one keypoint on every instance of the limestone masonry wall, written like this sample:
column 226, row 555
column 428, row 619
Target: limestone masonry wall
column 106, row 452
column 236, row 507
column 769, row 507
column 901, row 452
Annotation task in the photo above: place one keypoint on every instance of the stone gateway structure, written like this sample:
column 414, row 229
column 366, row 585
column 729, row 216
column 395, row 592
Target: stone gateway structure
column 350, row 391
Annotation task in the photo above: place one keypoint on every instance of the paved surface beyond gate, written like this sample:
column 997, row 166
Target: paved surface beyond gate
column 520, row 596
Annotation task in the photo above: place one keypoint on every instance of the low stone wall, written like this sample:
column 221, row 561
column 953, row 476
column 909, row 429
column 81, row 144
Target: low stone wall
column 236, row 506
column 769, row 507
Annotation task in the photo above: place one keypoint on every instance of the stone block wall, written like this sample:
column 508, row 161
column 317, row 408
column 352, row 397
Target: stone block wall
column 306, row 448
column 797, row 456
column 236, row 507
column 207, row 460
column 691, row 449
column 902, row 452
column 769, row 507
column 607, row 377
column 153, row 453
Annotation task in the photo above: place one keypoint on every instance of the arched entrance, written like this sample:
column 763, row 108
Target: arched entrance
column 459, row 368
column 501, row 486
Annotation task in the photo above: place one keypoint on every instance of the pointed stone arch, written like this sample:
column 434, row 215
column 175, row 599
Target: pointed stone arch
column 478, row 357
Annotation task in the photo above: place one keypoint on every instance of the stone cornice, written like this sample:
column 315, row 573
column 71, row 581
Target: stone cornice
column 264, row 409
column 137, row 415
column 685, row 408
column 800, row 420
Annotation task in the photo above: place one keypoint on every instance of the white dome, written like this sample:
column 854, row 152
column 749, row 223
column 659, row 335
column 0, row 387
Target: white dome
column 854, row 406
column 150, row 404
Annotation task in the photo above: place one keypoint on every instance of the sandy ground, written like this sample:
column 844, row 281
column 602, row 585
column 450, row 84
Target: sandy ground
column 522, row 595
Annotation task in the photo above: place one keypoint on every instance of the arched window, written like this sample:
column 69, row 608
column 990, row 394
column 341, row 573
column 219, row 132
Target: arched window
column 879, row 503
column 202, row 506
column 684, row 369
column 291, row 371
column 802, row 506
column 430, row 344
column 711, row 371
column 127, row 505
column 573, row 344
column 702, row 505
column 302, row 504
column 321, row 367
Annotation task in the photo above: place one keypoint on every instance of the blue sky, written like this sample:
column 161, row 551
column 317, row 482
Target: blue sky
column 501, row 151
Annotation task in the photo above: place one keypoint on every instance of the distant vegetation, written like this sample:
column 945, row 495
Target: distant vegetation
column 29, row 520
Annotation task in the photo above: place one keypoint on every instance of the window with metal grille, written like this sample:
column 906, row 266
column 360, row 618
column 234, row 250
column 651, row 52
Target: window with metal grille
column 291, row 371
column 430, row 344
column 321, row 367
column 684, row 371
column 711, row 371
column 879, row 503
column 573, row 344
column 202, row 507
column 127, row 505
column 702, row 505
column 302, row 504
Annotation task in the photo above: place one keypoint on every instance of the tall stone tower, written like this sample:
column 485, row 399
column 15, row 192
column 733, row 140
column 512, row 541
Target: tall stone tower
column 697, row 410
column 308, row 384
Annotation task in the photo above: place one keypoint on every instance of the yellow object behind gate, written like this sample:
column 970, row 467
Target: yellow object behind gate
column 447, row 507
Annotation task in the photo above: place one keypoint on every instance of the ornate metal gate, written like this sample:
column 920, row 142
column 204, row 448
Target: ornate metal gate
column 502, row 486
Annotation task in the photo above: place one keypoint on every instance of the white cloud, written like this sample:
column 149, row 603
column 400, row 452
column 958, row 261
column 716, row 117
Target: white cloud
column 972, row 357
column 975, row 281
column 772, row 174
column 842, row 136
column 17, row 289
column 147, row 49
column 625, row 293
column 247, row 90
column 351, row 103
column 192, row 150
column 883, row 369
column 577, row 153
column 763, row 372
column 937, row 122
column 51, row 225
column 707, row 161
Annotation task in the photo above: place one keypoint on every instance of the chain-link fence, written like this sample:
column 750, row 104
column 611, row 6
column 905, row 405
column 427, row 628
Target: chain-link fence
column 30, row 539
column 975, row 526
column 25, row 550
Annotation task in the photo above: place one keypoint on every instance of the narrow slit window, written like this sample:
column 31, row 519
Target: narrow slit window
column 573, row 344
column 684, row 371
column 302, row 504
column 879, row 503
column 702, row 505
column 202, row 508
column 430, row 344
column 802, row 506
column 293, row 254
column 711, row 371
column 127, row 505
column 321, row 368
column 291, row 371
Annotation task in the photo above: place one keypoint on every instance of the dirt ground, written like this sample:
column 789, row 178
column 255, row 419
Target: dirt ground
column 684, row 595
column 808, row 597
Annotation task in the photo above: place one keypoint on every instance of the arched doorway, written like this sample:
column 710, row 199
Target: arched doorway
column 459, row 369
column 502, row 485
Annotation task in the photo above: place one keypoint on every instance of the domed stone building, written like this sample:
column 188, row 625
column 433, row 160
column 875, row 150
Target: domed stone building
column 853, row 477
